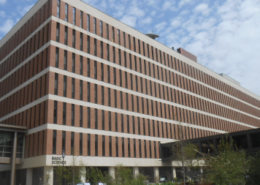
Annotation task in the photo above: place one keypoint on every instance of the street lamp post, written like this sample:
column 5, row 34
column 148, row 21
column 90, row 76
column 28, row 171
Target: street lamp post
column 63, row 156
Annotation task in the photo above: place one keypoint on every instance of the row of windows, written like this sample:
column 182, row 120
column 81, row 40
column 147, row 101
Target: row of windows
column 199, row 74
column 125, row 142
column 143, row 104
column 111, row 121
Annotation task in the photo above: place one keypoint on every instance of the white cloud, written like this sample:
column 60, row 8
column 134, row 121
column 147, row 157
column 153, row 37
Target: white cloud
column 176, row 22
column 7, row 25
column 147, row 20
column 160, row 26
column 129, row 20
column 2, row 1
column 168, row 5
column 202, row 8
column 2, row 14
column 153, row 13
column 135, row 11
column 183, row 2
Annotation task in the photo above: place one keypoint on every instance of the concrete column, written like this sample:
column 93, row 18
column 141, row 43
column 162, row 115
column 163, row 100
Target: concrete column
column 13, row 159
column 112, row 172
column 29, row 174
column 83, row 175
column 174, row 172
column 48, row 175
column 156, row 174
column 135, row 171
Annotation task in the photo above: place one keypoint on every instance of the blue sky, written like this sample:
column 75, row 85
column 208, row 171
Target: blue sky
column 223, row 34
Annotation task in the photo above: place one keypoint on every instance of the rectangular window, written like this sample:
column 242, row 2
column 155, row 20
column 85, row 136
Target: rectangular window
column 55, row 112
column 121, row 98
column 80, row 144
column 103, row 146
column 88, row 117
column 120, row 78
column 107, row 27
column 88, row 92
column 66, row 36
column 145, row 153
column 129, row 42
column 108, row 56
column 64, row 114
column 108, row 74
column 58, row 8
column 155, row 151
column 125, row 59
column 109, row 98
column 124, row 38
column 72, row 143
column 139, row 46
column 102, row 95
column 114, row 76
column 72, row 115
column 56, row 84
column 81, row 41
column 119, row 57
column 122, row 123
column 144, row 48
column 118, row 35
column 81, row 65
column 81, row 116
column 126, row 99
column 101, row 52
column 63, row 140
column 74, row 16
column 123, row 147
column 127, row 122
column 115, row 99
column 65, row 86
column 116, row 146
column 66, row 12
column 134, row 45
column 109, row 121
column 113, row 34
column 103, row 120
column 102, row 72
column 96, row 93
column 114, row 55
column 58, row 32
column 73, row 88
column 140, row 149
column 88, row 24
column 101, row 28
column 95, row 69
column 95, row 47
column 129, row 150
column 88, row 44
column 110, row 146
column 89, row 144
column 96, row 145
column 73, row 38
column 88, row 67
column 81, row 19
column 95, row 25
column 54, row 141
column 116, row 124
column 73, row 62
column 96, row 119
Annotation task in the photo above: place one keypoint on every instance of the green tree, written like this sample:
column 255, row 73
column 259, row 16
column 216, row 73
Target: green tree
column 254, row 171
column 228, row 165
column 124, row 176
column 184, row 153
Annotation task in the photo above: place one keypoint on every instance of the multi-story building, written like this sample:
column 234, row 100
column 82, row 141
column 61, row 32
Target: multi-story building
column 81, row 81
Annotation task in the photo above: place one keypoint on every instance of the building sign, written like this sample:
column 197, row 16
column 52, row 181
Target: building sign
column 58, row 160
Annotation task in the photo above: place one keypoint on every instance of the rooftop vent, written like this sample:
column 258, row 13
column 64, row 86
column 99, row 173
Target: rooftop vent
column 152, row 35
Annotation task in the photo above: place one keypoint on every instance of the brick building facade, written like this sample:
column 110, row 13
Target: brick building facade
column 83, row 82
